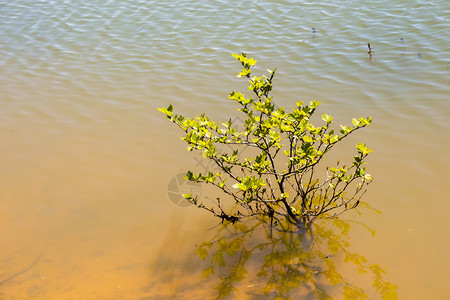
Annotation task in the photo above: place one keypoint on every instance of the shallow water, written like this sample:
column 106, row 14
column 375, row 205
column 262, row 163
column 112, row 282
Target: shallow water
column 86, row 158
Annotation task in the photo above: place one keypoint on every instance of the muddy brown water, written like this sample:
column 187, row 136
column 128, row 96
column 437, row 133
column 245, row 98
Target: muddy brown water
column 86, row 159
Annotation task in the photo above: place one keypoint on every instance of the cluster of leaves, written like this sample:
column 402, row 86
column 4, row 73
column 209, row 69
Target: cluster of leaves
column 281, row 177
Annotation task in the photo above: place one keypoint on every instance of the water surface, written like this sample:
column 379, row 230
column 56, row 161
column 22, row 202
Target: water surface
column 86, row 158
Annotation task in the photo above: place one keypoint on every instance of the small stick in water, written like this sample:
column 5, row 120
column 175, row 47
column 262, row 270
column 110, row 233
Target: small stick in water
column 370, row 52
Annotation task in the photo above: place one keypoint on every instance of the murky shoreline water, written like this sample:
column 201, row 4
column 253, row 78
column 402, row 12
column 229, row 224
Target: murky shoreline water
column 86, row 158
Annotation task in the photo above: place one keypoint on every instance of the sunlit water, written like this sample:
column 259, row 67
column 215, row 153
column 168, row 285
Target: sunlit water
column 85, row 158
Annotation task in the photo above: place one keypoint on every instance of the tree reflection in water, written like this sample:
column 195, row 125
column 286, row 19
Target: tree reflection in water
column 288, row 261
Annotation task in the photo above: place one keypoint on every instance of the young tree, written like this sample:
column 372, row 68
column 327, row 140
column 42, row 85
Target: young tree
column 281, row 175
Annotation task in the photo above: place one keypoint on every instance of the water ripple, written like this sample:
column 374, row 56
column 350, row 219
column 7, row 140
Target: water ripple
column 149, row 45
